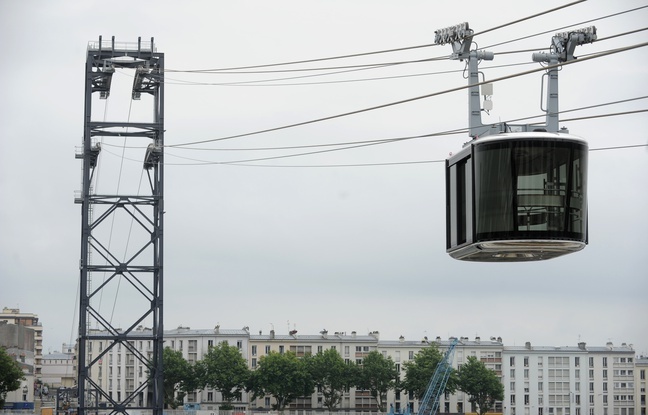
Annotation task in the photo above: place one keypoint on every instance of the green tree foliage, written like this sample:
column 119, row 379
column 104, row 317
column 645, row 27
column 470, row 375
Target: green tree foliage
column 224, row 368
column 331, row 375
column 481, row 384
column 10, row 375
column 419, row 372
column 283, row 376
column 377, row 375
column 179, row 377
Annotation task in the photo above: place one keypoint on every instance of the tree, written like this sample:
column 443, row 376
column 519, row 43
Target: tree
column 179, row 377
column 10, row 375
column 224, row 368
column 480, row 383
column 377, row 375
column 419, row 372
column 283, row 376
column 331, row 375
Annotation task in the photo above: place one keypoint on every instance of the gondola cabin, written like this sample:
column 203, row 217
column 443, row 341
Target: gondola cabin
column 517, row 197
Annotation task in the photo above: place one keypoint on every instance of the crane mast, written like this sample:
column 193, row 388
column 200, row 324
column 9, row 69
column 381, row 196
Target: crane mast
column 430, row 403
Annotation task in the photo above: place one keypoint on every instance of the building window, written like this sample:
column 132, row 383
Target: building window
column 604, row 373
column 512, row 373
column 526, row 399
column 539, row 361
column 605, row 362
column 267, row 349
column 346, row 350
column 319, row 349
column 577, row 361
column 411, row 354
column 254, row 362
column 512, row 399
column 239, row 344
column 281, row 349
column 512, row 361
column 254, row 350
column 210, row 343
column 591, row 362
column 301, row 351
column 210, row 396
column 526, row 361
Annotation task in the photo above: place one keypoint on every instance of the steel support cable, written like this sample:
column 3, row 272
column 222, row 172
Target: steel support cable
column 386, row 140
column 390, row 104
column 98, row 168
column 369, row 53
column 383, row 141
column 359, row 144
column 605, row 104
column 565, row 27
column 121, row 166
column 355, row 68
column 376, row 66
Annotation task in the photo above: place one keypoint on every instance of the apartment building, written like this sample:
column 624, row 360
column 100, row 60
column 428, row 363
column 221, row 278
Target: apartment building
column 119, row 373
column 58, row 368
column 641, row 369
column 538, row 380
column 579, row 380
column 14, row 316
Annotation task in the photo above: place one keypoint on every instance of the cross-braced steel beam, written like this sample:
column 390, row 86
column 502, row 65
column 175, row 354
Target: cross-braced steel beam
column 114, row 260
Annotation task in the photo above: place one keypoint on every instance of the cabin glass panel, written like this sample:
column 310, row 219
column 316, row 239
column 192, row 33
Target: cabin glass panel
column 530, row 189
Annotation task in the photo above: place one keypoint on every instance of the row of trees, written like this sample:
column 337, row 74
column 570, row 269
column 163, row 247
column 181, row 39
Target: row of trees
column 286, row 377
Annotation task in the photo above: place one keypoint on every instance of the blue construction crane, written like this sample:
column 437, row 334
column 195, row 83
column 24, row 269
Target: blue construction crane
column 430, row 403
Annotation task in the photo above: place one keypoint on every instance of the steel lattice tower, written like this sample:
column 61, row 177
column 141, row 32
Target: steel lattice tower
column 122, row 234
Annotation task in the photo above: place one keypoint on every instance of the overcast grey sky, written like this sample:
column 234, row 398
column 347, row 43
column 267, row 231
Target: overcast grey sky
column 343, row 248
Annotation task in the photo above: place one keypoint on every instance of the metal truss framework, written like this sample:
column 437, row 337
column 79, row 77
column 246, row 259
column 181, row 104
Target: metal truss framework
column 140, row 270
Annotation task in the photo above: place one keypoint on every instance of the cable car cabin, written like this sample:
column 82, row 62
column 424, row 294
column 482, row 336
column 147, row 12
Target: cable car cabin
column 517, row 197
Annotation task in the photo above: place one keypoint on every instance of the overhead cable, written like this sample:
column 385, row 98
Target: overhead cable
column 447, row 91
column 370, row 53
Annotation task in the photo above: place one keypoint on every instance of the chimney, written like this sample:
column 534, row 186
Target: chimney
column 353, row 334
column 527, row 345
column 581, row 345
column 272, row 334
column 401, row 339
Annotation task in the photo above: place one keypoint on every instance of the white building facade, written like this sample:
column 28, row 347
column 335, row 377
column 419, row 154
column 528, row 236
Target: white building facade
column 537, row 380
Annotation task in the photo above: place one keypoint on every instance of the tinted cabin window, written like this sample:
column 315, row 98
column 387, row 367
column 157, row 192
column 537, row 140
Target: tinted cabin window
column 530, row 188
column 460, row 202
